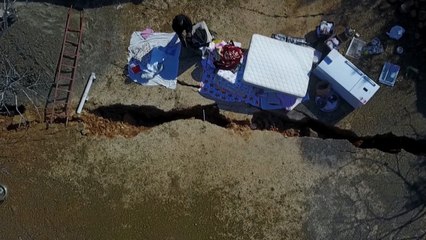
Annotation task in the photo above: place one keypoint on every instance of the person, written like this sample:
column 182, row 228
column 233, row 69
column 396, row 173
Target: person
column 182, row 23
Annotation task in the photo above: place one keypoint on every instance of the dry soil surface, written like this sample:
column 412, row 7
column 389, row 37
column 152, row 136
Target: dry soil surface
column 193, row 180
column 35, row 40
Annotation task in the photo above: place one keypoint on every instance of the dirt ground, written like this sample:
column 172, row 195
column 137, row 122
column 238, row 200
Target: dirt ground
column 106, row 178
column 108, row 27
column 179, row 181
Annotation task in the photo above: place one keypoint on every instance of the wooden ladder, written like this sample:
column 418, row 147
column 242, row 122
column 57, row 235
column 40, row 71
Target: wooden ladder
column 60, row 96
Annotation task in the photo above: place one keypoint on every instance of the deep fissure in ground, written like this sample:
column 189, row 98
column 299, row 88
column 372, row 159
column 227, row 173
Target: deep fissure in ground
column 150, row 116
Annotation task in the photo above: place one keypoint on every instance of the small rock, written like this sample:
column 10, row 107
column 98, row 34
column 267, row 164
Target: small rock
column 84, row 132
column 17, row 119
column 32, row 116
column 80, row 126
column 291, row 132
column 253, row 126
column 296, row 116
column 313, row 134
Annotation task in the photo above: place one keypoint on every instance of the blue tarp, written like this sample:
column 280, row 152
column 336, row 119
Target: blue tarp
column 154, row 60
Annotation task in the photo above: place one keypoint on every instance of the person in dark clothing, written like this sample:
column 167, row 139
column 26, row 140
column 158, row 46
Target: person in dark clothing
column 182, row 23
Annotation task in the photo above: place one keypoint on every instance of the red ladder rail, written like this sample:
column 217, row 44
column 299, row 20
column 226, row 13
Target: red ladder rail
column 60, row 97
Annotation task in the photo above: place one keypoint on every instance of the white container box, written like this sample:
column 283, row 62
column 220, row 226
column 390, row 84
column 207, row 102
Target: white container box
column 346, row 79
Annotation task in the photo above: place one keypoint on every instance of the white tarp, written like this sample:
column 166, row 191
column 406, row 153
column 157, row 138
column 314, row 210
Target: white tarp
column 154, row 59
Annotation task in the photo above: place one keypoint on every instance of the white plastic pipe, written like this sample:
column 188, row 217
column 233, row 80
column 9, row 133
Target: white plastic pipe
column 86, row 93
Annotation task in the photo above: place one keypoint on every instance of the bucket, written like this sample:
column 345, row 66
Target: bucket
column 322, row 88
column 327, row 104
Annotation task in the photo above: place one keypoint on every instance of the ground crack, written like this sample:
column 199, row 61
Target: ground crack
column 145, row 117
column 187, row 84
column 285, row 15
column 264, row 14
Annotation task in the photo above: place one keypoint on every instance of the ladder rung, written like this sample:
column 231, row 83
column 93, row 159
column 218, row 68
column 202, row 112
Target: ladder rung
column 73, row 30
column 54, row 111
column 64, row 99
column 69, row 54
column 57, row 102
column 57, row 87
column 70, row 66
column 55, row 117
column 70, row 42
column 65, row 78
column 58, row 107
column 62, row 90
column 63, row 84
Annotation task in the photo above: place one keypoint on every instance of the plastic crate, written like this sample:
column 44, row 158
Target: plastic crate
column 355, row 48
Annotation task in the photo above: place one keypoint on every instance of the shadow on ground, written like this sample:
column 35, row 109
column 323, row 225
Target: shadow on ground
column 413, row 42
column 387, row 203
column 310, row 107
column 375, row 195
column 150, row 116
column 187, row 59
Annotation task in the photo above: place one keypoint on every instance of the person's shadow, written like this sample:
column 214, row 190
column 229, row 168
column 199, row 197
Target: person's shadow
column 188, row 58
